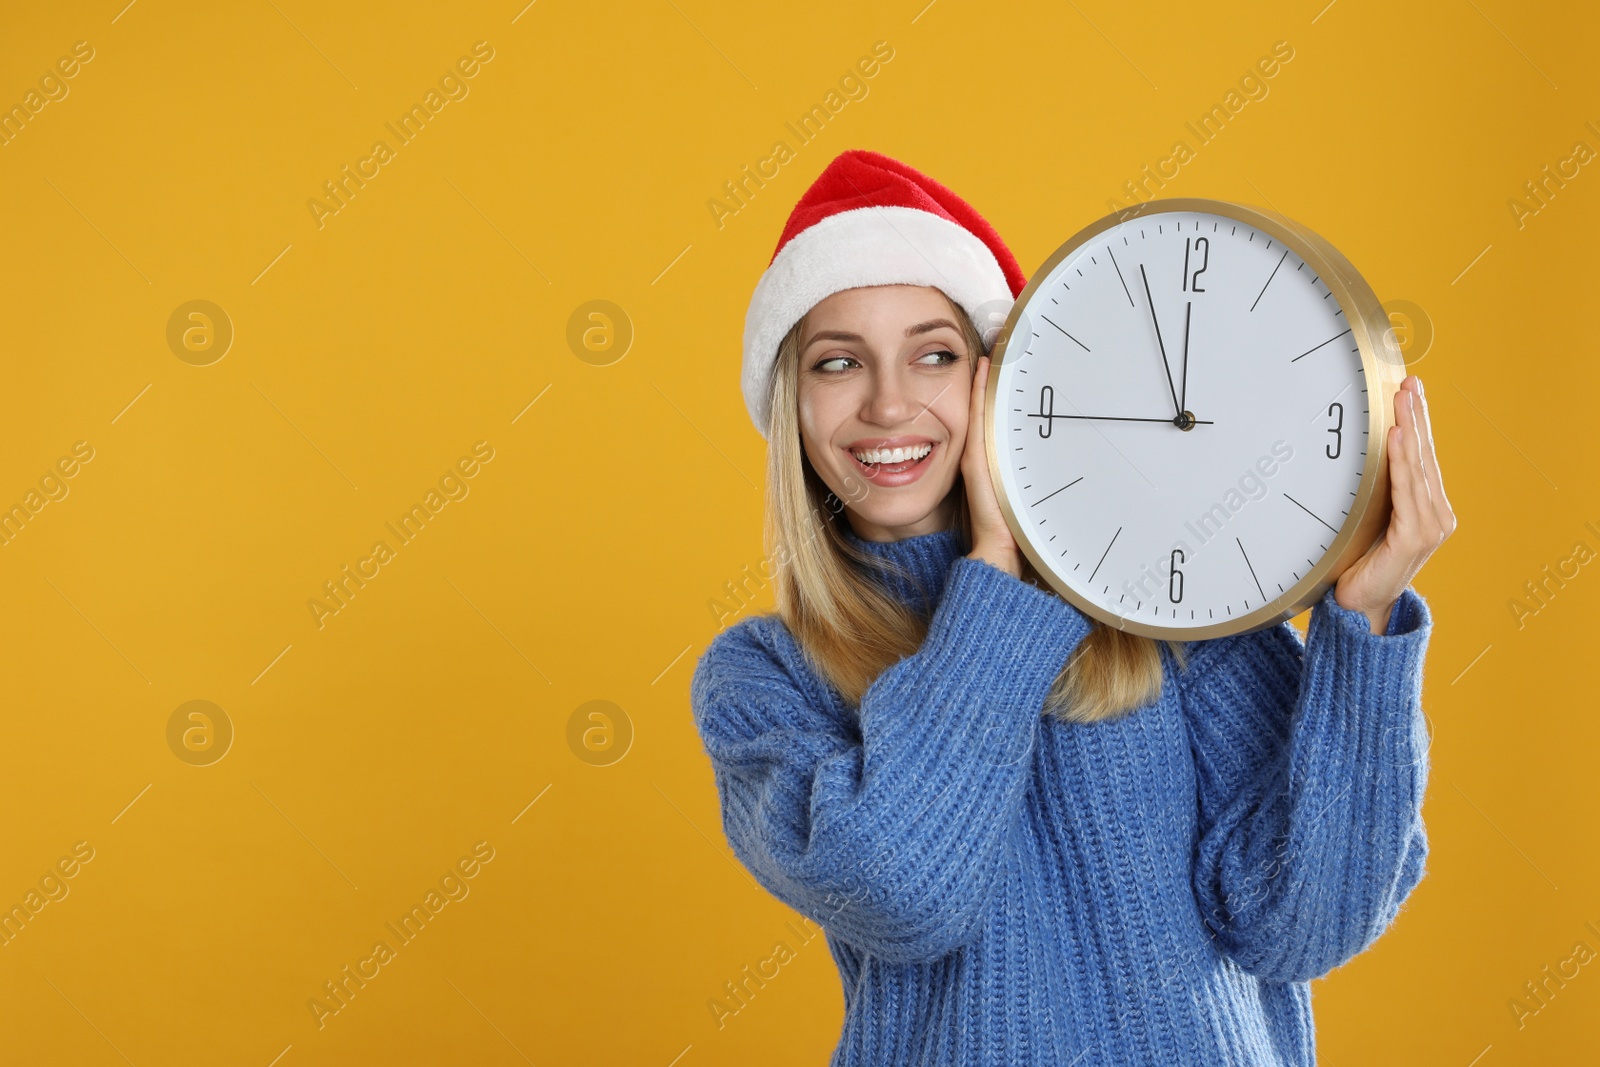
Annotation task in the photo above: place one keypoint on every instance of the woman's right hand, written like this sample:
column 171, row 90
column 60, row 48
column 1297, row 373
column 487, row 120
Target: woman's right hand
column 991, row 537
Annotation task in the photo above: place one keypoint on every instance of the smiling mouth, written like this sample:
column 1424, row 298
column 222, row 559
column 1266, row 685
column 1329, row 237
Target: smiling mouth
column 892, row 460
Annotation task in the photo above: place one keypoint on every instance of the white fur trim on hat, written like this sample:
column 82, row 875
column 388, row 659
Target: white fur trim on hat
column 860, row 247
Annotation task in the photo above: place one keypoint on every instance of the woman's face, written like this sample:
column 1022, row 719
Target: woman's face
column 885, row 378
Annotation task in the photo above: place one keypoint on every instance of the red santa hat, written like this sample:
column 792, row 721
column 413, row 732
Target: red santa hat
column 872, row 220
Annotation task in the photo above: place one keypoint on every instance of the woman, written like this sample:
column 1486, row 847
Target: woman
column 1032, row 838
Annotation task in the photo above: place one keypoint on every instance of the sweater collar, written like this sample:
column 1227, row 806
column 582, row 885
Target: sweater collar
column 925, row 557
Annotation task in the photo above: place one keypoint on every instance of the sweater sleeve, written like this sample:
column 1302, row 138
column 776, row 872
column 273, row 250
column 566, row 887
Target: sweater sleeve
column 889, row 827
column 1311, row 760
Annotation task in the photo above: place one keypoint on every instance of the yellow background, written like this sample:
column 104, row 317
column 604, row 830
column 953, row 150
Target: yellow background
column 429, row 713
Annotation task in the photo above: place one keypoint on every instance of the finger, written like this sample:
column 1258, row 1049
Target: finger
column 980, row 387
column 1422, row 531
column 1427, row 527
column 1430, row 465
column 1402, row 475
column 975, row 412
column 1406, row 416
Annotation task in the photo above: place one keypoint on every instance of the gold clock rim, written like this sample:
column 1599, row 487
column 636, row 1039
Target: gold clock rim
column 1383, row 367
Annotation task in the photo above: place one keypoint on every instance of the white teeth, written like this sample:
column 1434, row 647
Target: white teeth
column 892, row 455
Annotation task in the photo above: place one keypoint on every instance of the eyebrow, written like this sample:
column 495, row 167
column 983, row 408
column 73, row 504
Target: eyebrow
column 845, row 335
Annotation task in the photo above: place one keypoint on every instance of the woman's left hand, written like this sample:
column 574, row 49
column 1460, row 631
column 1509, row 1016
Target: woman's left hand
column 1420, row 521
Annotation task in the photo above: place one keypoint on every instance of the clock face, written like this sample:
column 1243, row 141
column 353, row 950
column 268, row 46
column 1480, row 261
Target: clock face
column 1180, row 421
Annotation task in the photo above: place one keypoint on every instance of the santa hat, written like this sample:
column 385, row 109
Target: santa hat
column 872, row 220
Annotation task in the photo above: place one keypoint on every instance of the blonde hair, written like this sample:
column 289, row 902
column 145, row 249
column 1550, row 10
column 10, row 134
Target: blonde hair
column 852, row 629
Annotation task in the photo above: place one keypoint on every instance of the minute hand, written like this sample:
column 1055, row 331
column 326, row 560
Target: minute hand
column 1176, row 407
column 1169, row 420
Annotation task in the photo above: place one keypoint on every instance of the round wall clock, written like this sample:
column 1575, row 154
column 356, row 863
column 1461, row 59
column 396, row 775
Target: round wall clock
column 1187, row 413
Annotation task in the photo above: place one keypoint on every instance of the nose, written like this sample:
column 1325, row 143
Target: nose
column 893, row 400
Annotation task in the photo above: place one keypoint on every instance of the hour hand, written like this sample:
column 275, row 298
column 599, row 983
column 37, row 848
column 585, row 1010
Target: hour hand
column 1176, row 407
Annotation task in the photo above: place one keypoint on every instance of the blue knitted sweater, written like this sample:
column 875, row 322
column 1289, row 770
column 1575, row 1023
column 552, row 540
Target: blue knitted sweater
column 1000, row 887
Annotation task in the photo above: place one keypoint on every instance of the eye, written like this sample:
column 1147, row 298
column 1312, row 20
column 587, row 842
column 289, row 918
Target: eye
column 952, row 358
column 822, row 365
